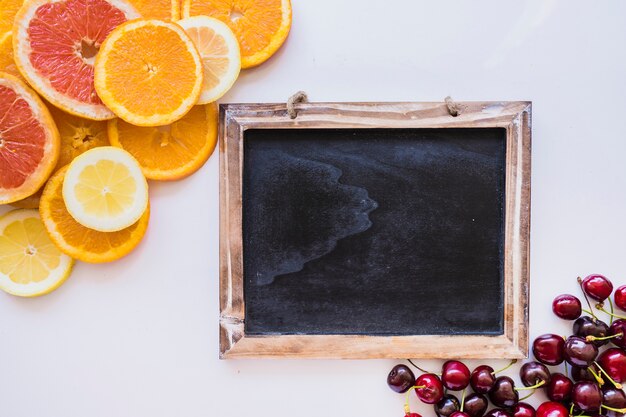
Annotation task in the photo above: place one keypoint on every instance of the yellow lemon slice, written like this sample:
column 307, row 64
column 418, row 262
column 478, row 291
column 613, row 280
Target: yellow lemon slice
column 105, row 190
column 30, row 264
column 219, row 51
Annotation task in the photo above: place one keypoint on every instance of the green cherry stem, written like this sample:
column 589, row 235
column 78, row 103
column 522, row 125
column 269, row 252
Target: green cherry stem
column 615, row 384
column 611, row 314
column 533, row 387
column 591, row 338
column 612, row 310
column 462, row 400
column 514, row 361
column 571, row 409
column 527, row 396
column 590, row 311
column 596, row 376
column 565, row 364
column 617, row 410
column 407, row 408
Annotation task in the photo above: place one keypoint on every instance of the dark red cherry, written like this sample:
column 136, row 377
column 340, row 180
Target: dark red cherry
column 482, row 379
column 531, row 373
column 587, row 396
column 400, row 378
column 447, row 405
column 620, row 297
column 597, row 287
column 618, row 329
column 460, row 414
column 552, row 409
column 548, row 349
column 523, row 410
column 589, row 326
column 503, row 393
column 475, row 405
column 578, row 352
column 498, row 412
column 614, row 398
column 432, row 391
column 454, row 375
column 560, row 388
column 582, row 374
column 412, row 415
column 567, row 307
column 613, row 361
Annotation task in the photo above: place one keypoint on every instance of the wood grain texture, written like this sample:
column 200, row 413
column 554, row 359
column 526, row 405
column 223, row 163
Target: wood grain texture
column 515, row 117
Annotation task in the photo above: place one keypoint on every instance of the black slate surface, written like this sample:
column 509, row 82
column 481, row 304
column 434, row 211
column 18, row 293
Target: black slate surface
column 374, row 231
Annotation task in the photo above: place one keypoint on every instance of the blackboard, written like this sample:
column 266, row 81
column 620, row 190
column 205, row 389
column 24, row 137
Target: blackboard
column 374, row 231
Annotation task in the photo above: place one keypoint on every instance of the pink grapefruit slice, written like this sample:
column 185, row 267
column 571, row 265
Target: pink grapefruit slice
column 55, row 44
column 29, row 140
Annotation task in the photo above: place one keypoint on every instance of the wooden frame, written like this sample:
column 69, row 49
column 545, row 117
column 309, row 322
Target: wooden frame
column 515, row 117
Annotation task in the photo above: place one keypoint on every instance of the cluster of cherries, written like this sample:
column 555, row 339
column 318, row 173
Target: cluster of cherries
column 590, row 388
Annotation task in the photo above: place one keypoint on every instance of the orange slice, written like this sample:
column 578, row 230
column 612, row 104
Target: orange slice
column 79, row 242
column 8, row 9
column 7, row 63
column 172, row 152
column 158, row 9
column 219, row 50
column 261, row 26
column 29, row 140
column 149, row 72
column 55, row 43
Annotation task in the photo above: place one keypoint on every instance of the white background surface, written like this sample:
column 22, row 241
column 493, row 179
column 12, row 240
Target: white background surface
column 140, row 337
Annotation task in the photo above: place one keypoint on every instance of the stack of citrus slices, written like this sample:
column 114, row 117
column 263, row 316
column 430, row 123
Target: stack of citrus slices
column 96, row 98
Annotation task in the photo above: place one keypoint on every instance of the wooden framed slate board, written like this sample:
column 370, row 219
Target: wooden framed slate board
column 374, row 230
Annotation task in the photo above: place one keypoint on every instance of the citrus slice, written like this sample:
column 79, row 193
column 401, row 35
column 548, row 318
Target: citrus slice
column 55, row 43
column 7, row 63
column 158, row 9
column 148, row 72
column 8, row 9
column 29, row 140
column 79, row 242
column 105, row 190
column 172, row 152
column 30, row 264
column 219, row 51
column 261, row 26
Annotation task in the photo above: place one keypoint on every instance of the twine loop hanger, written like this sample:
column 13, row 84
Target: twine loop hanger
column 299, row 97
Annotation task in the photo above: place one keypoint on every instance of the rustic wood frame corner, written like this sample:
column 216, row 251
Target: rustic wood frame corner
column 515, row 117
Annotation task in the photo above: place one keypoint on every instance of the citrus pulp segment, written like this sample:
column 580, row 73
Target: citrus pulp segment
column 7, row 63
column 219, row 50
column 105, row 190
column 158, row 9
column 261, row 26
column 29, row 140
column 55, row 43
column 30, row 264
column 8, row 9
column 148, row 72
column 80, row 242
column 172, row 152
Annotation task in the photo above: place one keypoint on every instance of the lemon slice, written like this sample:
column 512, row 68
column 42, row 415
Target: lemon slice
column 219, row 53
column 105, row 190
column 30, row 264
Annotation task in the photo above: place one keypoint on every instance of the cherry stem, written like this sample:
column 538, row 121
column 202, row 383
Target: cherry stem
column 580, row 282
column 513, row 361
column 571, row 409
column 528, row 396
column 615, row 384
column 591, row 338
column 407, row 408
column 617, row 410
column 462, row 400
column 596, row 376
column 423, row 370
column 611, row 314
column 565, row 364
column 537, row 385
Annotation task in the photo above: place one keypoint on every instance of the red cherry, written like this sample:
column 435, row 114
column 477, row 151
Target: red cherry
column 498, row 412
column 432, row 388
column 560, row 388
column 459, row 414
column 455, row 376
column 412, row 415
column 620, row 297
column 613, row 361
column 618, row 326
column 567, row 307
column 597, row 287
column 523, row 410
column 552, row 409
column 548, row 349
column 482, row 379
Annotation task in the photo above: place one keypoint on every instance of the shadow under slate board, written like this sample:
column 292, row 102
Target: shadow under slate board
column 374, row 231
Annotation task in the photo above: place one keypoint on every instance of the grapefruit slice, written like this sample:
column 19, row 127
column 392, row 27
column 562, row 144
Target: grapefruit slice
column 55, row 43
column 29, row 140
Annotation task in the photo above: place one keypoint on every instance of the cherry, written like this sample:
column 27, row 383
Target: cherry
column 523, row 410
column 578, row 352
column 447, row 405
column 498, row 412
column 482, row 379
column 548, row 349
column 412, row 415
column 431, row 388
column 567, row 307
column 400, row 378
column 455, row 375
column 587, row 396
column 597, row 287
column 503, row 393
column 552, row 409
column 560, row 388
column 618, row 330
column 532, row 373
column 589, row 326
column 475, row 405
column 620, row 297
column 613, row 362
column 582, row 374
column 613, row 398
column 459, row 414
